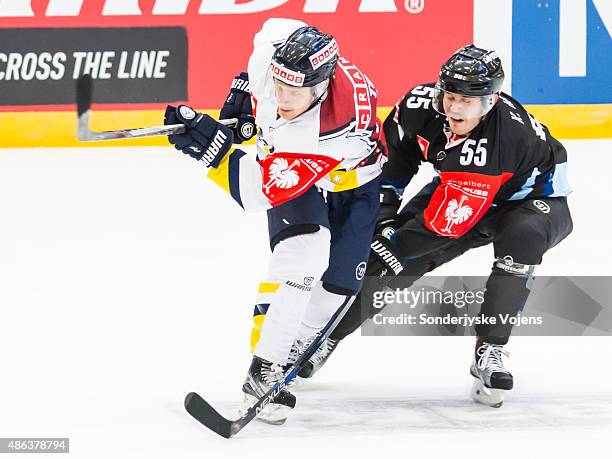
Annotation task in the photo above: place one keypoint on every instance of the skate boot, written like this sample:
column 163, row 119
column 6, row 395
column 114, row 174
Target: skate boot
column 492, row 378
column 295, row 352
column 261, row 377
column 318, row 359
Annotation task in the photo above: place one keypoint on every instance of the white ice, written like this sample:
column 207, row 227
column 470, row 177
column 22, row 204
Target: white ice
column 127, row 279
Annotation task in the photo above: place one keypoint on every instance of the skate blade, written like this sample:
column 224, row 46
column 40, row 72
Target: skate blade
column 487, row 396
column 273, row 413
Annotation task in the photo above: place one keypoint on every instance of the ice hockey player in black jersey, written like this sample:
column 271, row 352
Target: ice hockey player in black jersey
column 501, row 179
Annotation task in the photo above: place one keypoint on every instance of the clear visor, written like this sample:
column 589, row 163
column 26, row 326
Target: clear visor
column 319, row 89
column 291, row 96
column 462, row 107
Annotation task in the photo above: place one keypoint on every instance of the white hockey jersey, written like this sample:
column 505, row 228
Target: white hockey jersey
column 335, row 144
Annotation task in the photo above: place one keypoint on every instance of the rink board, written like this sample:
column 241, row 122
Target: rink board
column 562, row 77
column 57, row 129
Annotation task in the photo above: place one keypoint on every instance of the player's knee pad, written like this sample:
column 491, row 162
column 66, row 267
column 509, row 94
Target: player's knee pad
column 298, row 261
column 510, row 281
column 507, row 265
column 524, row 241
column 322, row 305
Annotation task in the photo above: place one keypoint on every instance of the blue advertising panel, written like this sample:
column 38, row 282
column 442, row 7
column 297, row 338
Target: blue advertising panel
column 562, row 51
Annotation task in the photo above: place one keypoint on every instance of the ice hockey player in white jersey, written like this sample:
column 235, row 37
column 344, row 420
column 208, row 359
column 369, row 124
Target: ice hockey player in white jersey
column 316, row 173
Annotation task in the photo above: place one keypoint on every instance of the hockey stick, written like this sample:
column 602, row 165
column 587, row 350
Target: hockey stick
column 84, row 94
column 204, row 413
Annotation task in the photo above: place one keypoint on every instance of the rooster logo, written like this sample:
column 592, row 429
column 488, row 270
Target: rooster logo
column 282, row 175
column 456, row 213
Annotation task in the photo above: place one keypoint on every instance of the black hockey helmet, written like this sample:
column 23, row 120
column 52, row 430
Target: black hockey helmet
column 472, row 71
column 307, row 58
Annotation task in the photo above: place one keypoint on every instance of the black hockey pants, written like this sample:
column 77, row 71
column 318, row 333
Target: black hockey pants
column 520, row 231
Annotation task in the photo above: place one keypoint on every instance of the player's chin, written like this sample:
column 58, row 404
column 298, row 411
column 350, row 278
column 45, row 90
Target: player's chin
column 287, row 114
column 459, row 126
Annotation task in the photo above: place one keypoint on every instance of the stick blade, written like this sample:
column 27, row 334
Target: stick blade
column 201, row 410
column 84, row 93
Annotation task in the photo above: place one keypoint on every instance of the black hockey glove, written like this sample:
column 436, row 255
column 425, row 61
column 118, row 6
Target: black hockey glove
column 385, row 259
column 205, row 139
column 388, row 219
column 238, row 105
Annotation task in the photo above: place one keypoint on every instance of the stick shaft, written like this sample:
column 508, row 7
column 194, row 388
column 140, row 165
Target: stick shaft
column 84, row 97
column 85, row 134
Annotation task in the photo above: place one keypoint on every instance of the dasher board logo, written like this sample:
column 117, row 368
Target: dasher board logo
column 17, row 8
column 40, row 66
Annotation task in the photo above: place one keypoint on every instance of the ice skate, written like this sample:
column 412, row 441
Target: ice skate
column 492, row 378
column 296, row 350
column 261, row 377
column 318, row 359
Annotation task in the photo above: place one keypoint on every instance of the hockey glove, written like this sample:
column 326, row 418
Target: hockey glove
column 205, row 139
column 388, row 219
column 385, row 259
column 238, row 105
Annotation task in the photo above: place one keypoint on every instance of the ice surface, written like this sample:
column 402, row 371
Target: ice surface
column 127, row 279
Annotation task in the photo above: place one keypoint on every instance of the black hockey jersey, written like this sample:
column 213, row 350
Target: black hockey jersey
column 509, row 156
